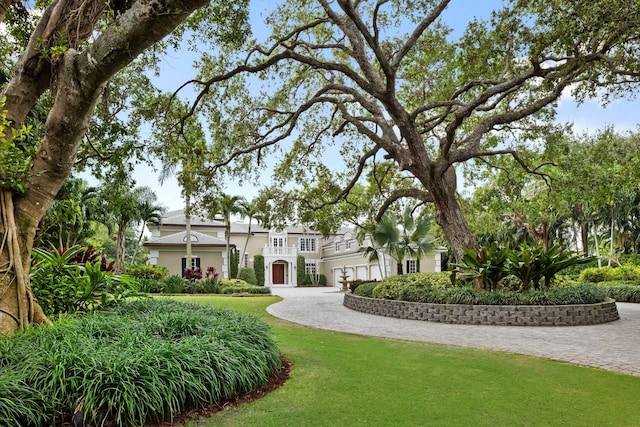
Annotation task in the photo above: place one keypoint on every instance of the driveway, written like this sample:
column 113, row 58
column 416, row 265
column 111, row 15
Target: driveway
column 614, row 346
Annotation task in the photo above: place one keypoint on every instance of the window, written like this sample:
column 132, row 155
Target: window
column 337, row 246
column 246, row 260
column 311, row 268
column 412, row 266
column 195, row 263
column 348, row 244
column 307, row 244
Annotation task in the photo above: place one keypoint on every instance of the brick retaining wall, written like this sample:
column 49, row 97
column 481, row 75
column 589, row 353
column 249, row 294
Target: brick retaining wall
column 502, row 315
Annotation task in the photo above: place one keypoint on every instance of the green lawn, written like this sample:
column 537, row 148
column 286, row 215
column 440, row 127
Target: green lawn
column 346, row 380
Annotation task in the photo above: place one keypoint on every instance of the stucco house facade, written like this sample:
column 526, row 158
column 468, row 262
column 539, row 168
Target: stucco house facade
column 335, row 256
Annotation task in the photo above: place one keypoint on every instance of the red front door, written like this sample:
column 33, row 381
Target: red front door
column 278, row 274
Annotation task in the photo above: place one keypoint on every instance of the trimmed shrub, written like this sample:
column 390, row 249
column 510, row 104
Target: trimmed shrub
column 582, row 294
column 154, row 272
column 606, row 274
column 258, row 268
column 145, row 361
column 233, row 282
column 234, row 262
column 366, row 289
column 248, row 275
column 301, row 268
column 391, row 287
column 245, row 289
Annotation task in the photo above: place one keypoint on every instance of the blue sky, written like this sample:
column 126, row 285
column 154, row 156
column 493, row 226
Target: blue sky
column 590, row 116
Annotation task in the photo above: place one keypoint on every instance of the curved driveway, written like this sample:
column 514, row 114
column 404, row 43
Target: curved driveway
column 614, row 346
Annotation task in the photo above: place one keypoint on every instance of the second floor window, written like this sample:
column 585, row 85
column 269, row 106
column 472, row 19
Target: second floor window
column 307, row 244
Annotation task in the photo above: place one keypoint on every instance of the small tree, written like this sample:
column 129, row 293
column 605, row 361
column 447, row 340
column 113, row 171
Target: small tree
column 258, row 267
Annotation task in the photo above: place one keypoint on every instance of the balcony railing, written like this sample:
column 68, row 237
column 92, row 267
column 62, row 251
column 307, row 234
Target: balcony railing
column 274, row 250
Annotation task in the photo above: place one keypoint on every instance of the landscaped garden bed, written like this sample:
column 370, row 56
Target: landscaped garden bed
column 499, row 315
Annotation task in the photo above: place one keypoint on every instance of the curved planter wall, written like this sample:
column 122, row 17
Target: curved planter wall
column 501, row 315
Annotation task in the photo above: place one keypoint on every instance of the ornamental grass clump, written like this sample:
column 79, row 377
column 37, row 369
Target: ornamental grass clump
column 142, row 361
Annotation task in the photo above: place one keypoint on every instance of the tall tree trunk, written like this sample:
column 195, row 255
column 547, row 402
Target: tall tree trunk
column 187, row 220
column 449, row 214
column 244, row 249
column 18, row 307
column 584, row 234
column 613, row 225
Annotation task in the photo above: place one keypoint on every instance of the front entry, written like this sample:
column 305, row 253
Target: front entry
column 277, row 274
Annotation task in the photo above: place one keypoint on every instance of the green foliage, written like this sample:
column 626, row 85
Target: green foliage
column 314, row 280
column 534, row 267
column 62, row 286
column 15, row 159
column 234, row 259
column 233, row 282
column 581, row 294
column 173, row 284
column 244, row 288
column 248, row 275
column 366, row 289
column 147, row 360
column 300, row 269
column 149, row 285
column 488, row 266
column 631, row 259
column 155, row 272
column 606, row 273
column 391, row 287
column 258, row 268
column 623, row 292
column 209, row 285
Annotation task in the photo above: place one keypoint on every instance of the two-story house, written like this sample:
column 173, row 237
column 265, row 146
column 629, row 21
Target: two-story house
column 335, row 256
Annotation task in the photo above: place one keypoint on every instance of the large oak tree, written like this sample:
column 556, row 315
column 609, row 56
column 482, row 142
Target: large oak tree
column 390, row 78
column 76, row 47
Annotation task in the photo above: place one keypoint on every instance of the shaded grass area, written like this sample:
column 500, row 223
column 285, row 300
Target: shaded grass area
column 340, row 379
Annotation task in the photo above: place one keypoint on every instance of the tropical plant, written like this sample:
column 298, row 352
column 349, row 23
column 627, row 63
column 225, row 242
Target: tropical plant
column 486, row 267
column 410, row 238
column 64, row 286
column 226, row 205
column 148, row 214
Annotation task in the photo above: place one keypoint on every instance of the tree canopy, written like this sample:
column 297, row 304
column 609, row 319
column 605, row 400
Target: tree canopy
column 351, row 82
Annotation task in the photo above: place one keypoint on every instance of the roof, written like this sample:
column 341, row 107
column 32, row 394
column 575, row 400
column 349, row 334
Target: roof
column 180, row 239
column 179, row 218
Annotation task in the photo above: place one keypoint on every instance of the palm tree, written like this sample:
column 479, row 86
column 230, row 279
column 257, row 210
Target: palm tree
column 413, row 241
column 226, row 205
column 251, row 211
column 148, row 214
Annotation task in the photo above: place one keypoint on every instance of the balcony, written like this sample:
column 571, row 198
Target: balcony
column 282, row 251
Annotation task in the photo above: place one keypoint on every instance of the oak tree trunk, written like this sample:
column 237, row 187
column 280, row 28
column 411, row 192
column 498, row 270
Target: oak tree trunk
column 449, row 215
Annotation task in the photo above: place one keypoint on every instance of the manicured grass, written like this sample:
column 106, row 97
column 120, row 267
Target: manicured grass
column 345, row 380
